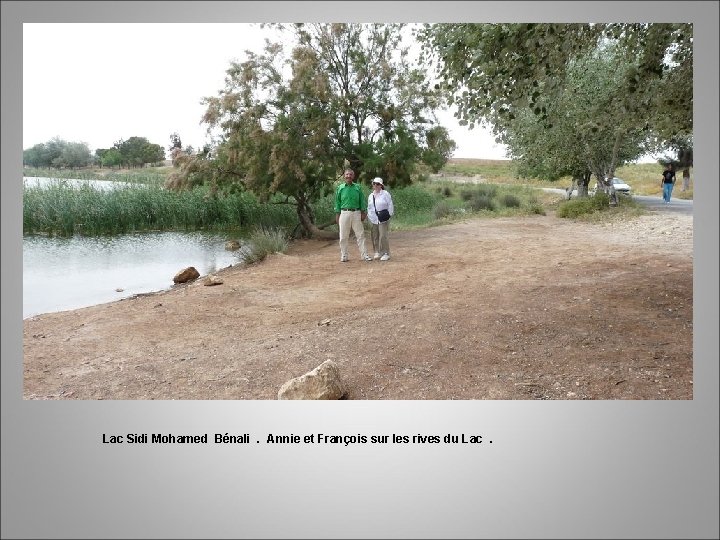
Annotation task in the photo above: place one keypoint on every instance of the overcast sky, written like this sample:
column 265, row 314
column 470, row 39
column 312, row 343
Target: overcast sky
column 102, row 82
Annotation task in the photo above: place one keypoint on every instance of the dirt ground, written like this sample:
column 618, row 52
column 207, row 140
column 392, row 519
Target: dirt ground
column 504, row 309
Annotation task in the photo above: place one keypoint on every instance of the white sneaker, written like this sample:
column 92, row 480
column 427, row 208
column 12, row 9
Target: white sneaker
column 385, row 257
column 344, row 258
column 376, row 256
column 367, row 258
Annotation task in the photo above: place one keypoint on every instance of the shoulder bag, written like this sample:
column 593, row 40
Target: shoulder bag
column 383, row 215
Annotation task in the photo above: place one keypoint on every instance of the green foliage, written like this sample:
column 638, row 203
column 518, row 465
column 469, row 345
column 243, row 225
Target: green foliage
column 590, row 128
column 263, row 242
column 536, row 208
column 413, row 199
column 584, row 205
column 137, row 151
column 345, row 96
column 582, row 97
column 510, row 201
column 63, row 209
column 439, row 148
column 479, row 64
column 597, row 209
column 58, row 153
column 486, row 190
column 111, row 158
column 466, row 194
column 441, row 210
column 480, row 202
column 488, row 199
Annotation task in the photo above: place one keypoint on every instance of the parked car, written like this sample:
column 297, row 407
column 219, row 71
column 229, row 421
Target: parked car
column 619, row 185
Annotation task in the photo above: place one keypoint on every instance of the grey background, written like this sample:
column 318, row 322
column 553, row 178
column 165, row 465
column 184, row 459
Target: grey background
column 604, row 469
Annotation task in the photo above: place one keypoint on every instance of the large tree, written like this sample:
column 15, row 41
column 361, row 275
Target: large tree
column 588, row 128
column 347, row 95
column 137, row 151
column 493, row 71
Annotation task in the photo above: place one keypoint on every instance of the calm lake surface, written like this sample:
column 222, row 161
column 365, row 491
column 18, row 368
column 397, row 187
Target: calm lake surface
column 39, row 181
column 68, row 273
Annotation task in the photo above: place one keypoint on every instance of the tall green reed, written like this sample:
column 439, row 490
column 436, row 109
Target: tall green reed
column 64, row 209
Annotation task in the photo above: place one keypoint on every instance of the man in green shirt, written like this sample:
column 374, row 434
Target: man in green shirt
column 350, row 212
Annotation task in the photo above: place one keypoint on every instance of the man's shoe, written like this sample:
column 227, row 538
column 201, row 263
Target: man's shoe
column 343, row 259
column 376, row 256
column 367, row 258
column 385, row 257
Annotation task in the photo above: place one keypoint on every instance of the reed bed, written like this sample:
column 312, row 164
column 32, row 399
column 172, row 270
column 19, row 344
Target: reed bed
column 62, row 209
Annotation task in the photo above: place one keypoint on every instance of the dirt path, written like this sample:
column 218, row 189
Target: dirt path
column 509, row 308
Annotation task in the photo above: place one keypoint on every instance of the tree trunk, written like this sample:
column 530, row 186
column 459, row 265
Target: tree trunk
column 579, row 183
column 311, row 229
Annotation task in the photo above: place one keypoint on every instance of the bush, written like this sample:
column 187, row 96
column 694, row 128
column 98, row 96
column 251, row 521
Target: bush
column 584, row 205
column 487, row 190
column 481, row 202
column 441, row 210
column 510, row 201
column 537, row 208
column 412, row 198
column 262, row 242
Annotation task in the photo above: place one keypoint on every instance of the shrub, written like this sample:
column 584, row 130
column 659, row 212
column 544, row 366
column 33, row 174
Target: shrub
column 262, row 242
column 537, row 208
column 510, row 201
column 412, row 198
column 481, row 202
column 441, row 210
column 584, row 205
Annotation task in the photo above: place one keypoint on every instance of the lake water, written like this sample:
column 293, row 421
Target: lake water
column 39, row 181
column 68, row 273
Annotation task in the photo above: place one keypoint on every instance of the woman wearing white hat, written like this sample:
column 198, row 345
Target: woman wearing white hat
column 380, row 209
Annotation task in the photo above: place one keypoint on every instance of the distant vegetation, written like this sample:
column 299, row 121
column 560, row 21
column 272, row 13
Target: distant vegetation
column 60, row 154
column 643, row 178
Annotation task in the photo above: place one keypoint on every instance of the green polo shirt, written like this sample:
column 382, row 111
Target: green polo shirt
column 350, row 196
